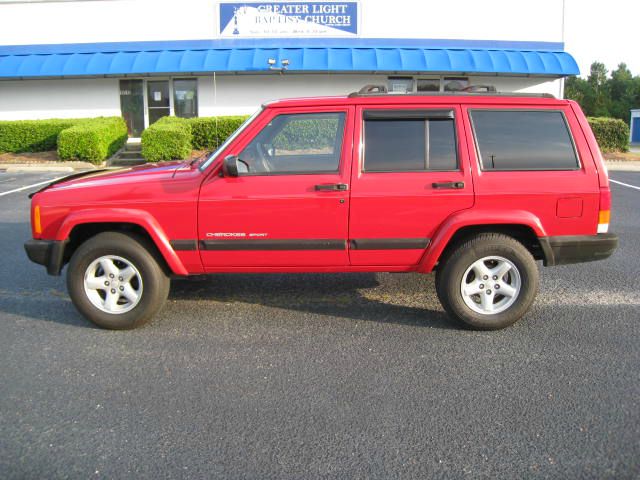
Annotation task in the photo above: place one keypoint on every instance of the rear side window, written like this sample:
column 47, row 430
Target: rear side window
column 523, row 140
column 409, row 141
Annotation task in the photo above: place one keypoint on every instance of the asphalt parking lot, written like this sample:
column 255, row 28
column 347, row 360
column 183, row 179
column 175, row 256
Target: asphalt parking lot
column 322, row 376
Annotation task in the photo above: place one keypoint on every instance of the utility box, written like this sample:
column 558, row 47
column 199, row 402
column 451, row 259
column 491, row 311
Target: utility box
column 635, row 126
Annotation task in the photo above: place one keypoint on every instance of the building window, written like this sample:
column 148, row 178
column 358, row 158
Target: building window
column 523, row 140
column 455, row 84
column 410, row 142
column 428, row 85
column 401, row 84
column 185, row 97
column 433, row 84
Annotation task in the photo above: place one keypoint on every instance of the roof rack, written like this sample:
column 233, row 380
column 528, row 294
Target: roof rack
column 371, row 90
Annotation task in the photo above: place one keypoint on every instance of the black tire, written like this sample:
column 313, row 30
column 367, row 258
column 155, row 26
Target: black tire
column 139, row 253
column 450, row 274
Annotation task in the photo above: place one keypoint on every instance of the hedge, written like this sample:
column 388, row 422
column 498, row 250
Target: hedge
column 612, row 134
column 172, row 138
column 210, row 132
column 167, row 139
column 32, row 135
column 93, row 140
column 303, row 134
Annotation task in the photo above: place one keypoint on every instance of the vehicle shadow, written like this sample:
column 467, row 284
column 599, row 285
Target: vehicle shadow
column 406, row 299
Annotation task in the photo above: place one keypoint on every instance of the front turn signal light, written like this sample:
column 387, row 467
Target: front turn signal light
column 37, row 225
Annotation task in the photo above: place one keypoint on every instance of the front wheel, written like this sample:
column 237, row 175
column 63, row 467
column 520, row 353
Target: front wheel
column 116, row 282
column 488, row 282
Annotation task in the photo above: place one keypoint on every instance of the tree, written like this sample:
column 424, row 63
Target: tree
column 603, row 96
column 621, row 92
column 599, row 98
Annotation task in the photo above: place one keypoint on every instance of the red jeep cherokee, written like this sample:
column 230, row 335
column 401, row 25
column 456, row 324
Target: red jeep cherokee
column 475, row 187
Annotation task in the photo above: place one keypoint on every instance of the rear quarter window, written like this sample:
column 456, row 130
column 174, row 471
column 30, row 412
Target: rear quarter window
column 523, row 140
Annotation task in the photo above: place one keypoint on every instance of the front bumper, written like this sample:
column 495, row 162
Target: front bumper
column 566, row 249
column 49, row 253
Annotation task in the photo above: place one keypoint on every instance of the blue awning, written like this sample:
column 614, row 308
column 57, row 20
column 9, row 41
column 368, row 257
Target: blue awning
column 304, row 55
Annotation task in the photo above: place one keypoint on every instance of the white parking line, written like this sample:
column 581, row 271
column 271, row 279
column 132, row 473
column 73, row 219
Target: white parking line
column 624, row 184
column 2, row 194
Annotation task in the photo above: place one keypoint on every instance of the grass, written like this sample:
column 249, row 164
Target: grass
column 623, row 157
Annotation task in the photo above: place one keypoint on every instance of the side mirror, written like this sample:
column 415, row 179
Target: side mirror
column 230, row 166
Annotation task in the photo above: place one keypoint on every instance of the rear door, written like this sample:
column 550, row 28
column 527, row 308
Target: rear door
column 411, row 171
column 534, row 158
column 290, row 206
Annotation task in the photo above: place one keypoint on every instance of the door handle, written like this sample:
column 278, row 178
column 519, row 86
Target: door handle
column 334, row 187
column 447, row 185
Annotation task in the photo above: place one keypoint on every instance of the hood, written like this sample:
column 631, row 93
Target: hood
column 120, row 176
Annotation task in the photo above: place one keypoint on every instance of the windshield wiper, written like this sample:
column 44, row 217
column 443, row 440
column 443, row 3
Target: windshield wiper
column 199, row 158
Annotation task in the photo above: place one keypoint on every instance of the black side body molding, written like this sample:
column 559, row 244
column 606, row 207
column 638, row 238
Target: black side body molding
column 389, row 243
column 293, row 244
column 183, row 245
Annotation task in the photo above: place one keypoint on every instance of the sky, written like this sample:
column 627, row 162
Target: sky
column 607, row 31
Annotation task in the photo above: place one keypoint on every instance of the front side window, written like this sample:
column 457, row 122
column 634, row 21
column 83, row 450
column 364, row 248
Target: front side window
column 409, row 143
column 523, row 140
column 296, row 143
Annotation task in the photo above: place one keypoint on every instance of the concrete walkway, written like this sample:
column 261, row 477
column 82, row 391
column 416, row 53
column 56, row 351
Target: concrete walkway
column 622, row 166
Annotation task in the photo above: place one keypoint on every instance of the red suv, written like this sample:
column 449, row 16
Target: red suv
column 475, row 187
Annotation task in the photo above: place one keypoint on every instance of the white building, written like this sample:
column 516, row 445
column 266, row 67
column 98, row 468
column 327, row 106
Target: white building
column 144, row 59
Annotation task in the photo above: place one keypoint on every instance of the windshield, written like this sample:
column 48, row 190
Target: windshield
column 231, row 138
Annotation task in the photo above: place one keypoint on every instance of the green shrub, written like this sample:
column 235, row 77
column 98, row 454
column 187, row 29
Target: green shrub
column 612, row 134
column 167, row 139
column 210, row 132
column 93, row 140
column 32, row 135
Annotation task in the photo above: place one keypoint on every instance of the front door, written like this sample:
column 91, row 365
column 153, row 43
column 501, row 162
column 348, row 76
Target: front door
column 132, row 106
column 410, row 174
column 158, row 101
column 289, row 205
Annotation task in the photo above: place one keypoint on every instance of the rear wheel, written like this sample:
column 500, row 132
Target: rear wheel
column 488, row 282
column 116, row 282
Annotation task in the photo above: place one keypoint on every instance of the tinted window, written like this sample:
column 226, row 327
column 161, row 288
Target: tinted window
column 409, row 145
column 517, row 140
column 442, row 145
column 297, row 143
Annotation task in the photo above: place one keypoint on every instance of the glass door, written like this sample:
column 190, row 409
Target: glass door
column 132, row 105
column 158, row 101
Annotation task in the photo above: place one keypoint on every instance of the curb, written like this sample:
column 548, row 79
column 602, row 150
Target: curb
column 35, row 167
column 622, row 166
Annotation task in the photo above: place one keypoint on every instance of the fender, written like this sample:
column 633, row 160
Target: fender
column 125, row 215
column 473, row 217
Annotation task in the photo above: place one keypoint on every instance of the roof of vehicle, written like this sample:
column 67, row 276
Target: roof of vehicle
column 419, row 99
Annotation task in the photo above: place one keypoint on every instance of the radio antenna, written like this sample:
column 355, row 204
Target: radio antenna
column 215, row 105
